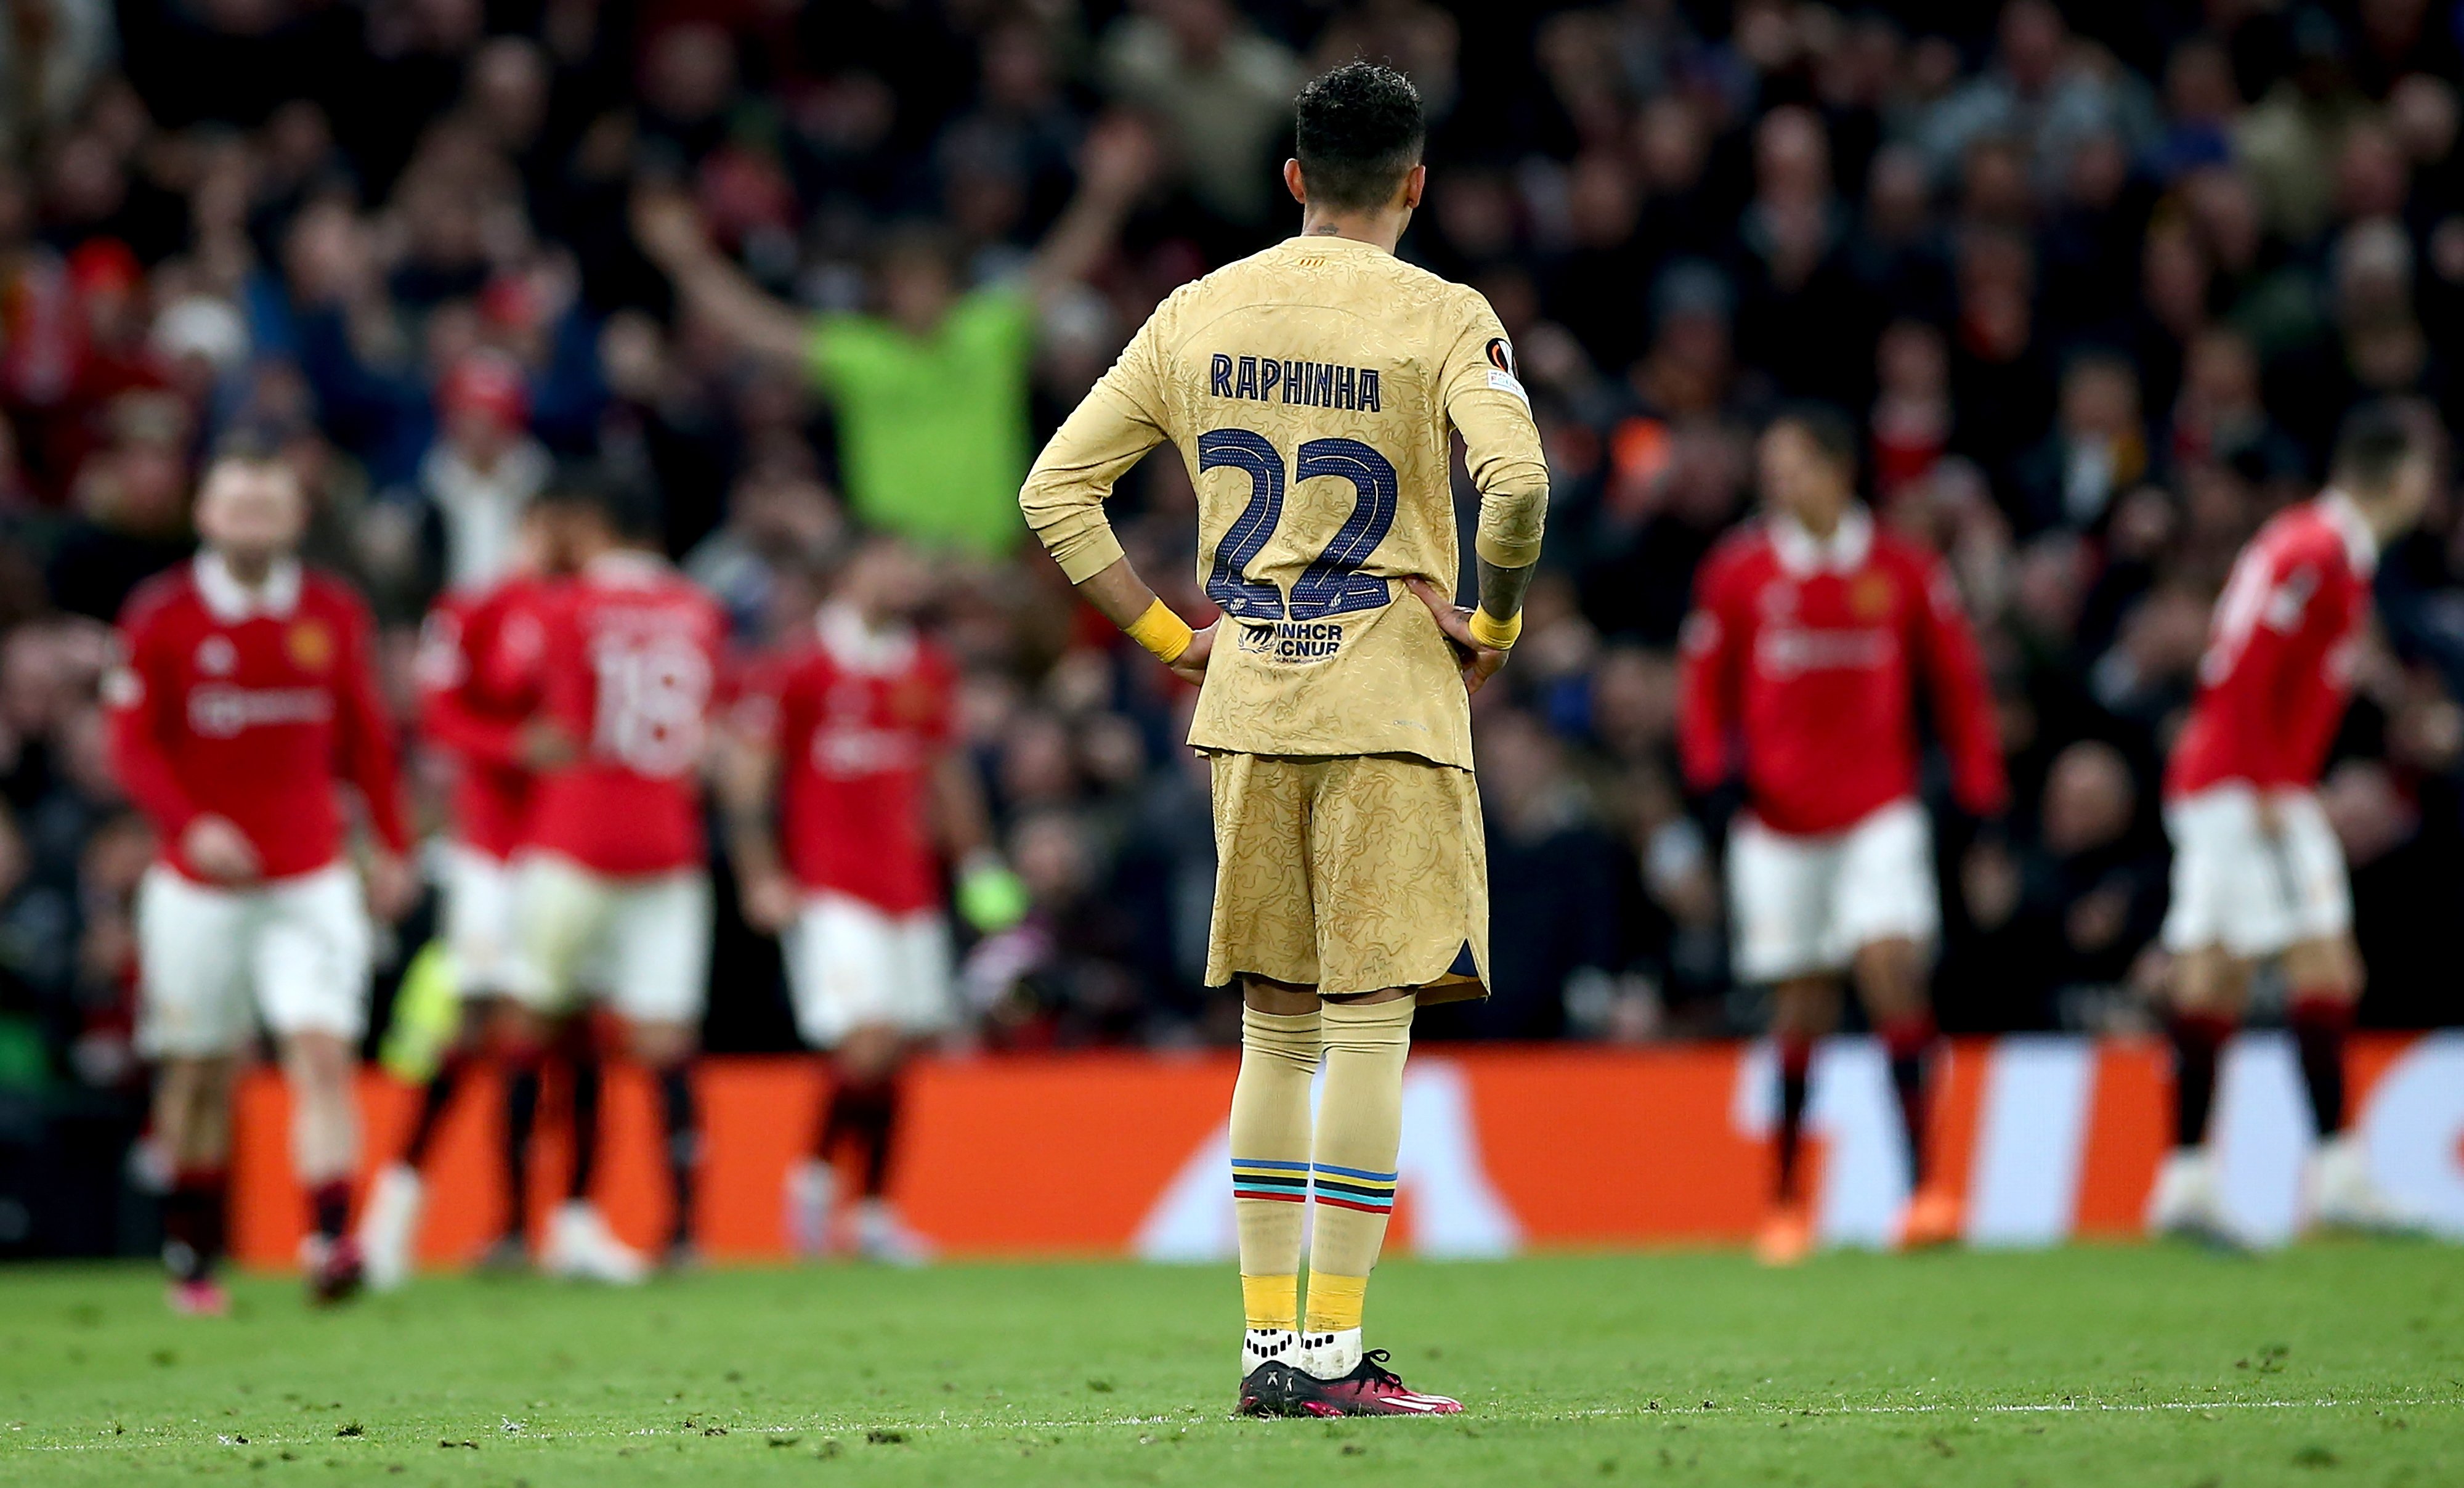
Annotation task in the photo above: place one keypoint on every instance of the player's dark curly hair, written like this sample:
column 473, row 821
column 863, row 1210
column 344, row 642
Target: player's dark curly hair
column 1359, row 132
column 2377, row 437
column 1831, row 433
column 627, row 506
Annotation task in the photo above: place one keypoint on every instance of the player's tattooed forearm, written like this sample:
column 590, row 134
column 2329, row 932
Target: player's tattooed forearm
column 1502, row 589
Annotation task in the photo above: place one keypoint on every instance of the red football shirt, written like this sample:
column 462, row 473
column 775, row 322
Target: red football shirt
column 1804, row 658
column 862, row 719
column 253, row 706
column 2281, row 651
column 628, row 666
column 478, row 670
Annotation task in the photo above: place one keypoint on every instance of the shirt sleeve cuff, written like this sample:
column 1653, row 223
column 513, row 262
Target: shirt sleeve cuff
column 1086, row 555
column 1501, row 553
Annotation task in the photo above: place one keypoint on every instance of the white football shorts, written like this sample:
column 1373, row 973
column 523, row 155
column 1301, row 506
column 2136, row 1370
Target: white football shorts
column 214, row 961
column 2237, row 887
column 1803, row 905
column 853, row 966
column 481, row 922
column 641, row 944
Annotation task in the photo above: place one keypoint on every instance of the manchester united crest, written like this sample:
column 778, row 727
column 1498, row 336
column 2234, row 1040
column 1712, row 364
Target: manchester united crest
column 913, row 702
column 311, row 645
column 1869, row 596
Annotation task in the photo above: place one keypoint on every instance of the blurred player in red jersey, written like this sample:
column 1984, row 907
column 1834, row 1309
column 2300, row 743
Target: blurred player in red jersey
column 1812, row 632
column 477, row 670
column 245, row 697
column 851, row 749
column 611, row 879
column 2258, row 872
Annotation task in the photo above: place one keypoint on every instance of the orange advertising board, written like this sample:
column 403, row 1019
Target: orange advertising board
column 1506, row 1148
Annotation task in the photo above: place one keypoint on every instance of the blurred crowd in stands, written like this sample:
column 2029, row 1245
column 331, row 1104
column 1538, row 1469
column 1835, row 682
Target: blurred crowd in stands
column 2100, row 278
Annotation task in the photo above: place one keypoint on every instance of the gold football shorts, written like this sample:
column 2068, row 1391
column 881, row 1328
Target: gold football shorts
column 1349, row 873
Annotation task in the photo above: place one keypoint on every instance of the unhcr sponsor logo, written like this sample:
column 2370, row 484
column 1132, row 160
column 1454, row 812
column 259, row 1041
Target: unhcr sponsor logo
column 1294, row 641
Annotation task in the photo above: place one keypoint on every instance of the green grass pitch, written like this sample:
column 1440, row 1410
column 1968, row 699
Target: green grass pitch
column 2330, row 1364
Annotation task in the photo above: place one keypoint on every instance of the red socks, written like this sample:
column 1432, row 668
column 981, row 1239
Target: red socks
column 2319, row 1022
column 329, row 1208
column 1796, row 1061
column 2198, row 1037
column 1908, row 1042
column 193, row 1223
column 866, row 1115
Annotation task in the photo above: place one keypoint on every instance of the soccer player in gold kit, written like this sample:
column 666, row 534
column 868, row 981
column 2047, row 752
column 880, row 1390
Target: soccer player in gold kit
column 1313, row 389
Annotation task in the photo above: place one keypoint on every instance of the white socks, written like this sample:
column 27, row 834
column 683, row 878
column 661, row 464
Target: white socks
column 1330, row 1356
column 1269, row 1345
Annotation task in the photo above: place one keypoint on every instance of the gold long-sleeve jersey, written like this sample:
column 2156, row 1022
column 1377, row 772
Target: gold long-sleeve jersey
column 1312, row 388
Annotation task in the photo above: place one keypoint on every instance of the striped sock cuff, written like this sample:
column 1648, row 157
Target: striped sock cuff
column 1259, row 1178
column 1355, row 1189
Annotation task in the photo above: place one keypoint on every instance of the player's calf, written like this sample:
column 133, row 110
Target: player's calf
column 192, row 1240
column 1270, row 1183
column 1785, row 1238
column 2210, row 984
column 325, row 1138
column 1353, row 1178
column 2339, row 1190
column 389, row 1226
column 193, row 1133
column 667, row 1049
column 861, row 1121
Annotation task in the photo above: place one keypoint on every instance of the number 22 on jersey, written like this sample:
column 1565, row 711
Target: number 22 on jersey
column 1332, row 584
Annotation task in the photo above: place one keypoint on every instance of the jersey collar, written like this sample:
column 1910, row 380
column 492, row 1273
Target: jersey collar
column 1802, row 554
column 2360, row 544
column 1329, row 242
column 625, row 567
column 229, row 601
column 858, row 647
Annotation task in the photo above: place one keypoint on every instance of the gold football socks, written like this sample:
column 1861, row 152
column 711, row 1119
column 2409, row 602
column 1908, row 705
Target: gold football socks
column 1271, row 1174
column 1352, row 1171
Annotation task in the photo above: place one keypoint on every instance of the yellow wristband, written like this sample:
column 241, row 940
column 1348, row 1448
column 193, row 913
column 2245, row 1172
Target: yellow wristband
column 1496, row 635
column 1162, row 632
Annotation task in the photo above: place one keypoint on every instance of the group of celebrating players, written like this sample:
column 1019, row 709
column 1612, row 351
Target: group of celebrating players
column 587, row 699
